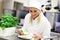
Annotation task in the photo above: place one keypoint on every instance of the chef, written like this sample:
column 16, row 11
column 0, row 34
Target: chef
column 35, row 22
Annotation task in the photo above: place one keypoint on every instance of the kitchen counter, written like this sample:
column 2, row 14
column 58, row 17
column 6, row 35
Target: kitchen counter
column 13, row 37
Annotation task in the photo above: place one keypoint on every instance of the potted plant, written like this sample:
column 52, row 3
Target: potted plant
column 8, row 24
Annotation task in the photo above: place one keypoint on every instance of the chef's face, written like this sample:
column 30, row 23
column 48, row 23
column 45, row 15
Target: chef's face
column 34, row 12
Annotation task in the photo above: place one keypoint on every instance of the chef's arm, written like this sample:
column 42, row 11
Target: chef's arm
column 25, row 25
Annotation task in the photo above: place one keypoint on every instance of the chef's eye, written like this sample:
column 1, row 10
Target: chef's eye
column 35, row 11
column 31, row 11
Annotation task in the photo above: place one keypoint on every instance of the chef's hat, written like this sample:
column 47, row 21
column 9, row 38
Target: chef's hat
column 36, row 3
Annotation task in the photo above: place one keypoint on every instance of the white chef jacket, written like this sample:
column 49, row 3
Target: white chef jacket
column 43, row 28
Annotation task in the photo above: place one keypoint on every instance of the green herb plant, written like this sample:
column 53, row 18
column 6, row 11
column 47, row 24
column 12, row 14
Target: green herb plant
column 8, row 21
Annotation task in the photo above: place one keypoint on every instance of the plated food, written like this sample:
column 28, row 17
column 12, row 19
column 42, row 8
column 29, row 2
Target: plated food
column 24, row 35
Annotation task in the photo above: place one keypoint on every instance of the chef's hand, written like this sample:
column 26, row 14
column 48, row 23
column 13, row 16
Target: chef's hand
column 37, row 36
column 20, row 31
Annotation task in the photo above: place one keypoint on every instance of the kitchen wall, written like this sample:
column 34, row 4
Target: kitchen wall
column 8, row 4
column 25, row 2
column 1, row 7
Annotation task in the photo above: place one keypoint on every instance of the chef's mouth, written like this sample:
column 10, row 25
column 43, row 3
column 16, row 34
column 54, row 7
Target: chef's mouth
column 35, row 16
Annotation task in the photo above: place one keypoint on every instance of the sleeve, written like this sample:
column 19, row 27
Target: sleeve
column 25, row 25
column 47, row 30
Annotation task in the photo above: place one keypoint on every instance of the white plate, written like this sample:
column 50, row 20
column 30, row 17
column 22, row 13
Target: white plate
column 27, row 36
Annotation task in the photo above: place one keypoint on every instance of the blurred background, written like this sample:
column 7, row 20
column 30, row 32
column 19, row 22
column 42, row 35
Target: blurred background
column 19, row 9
